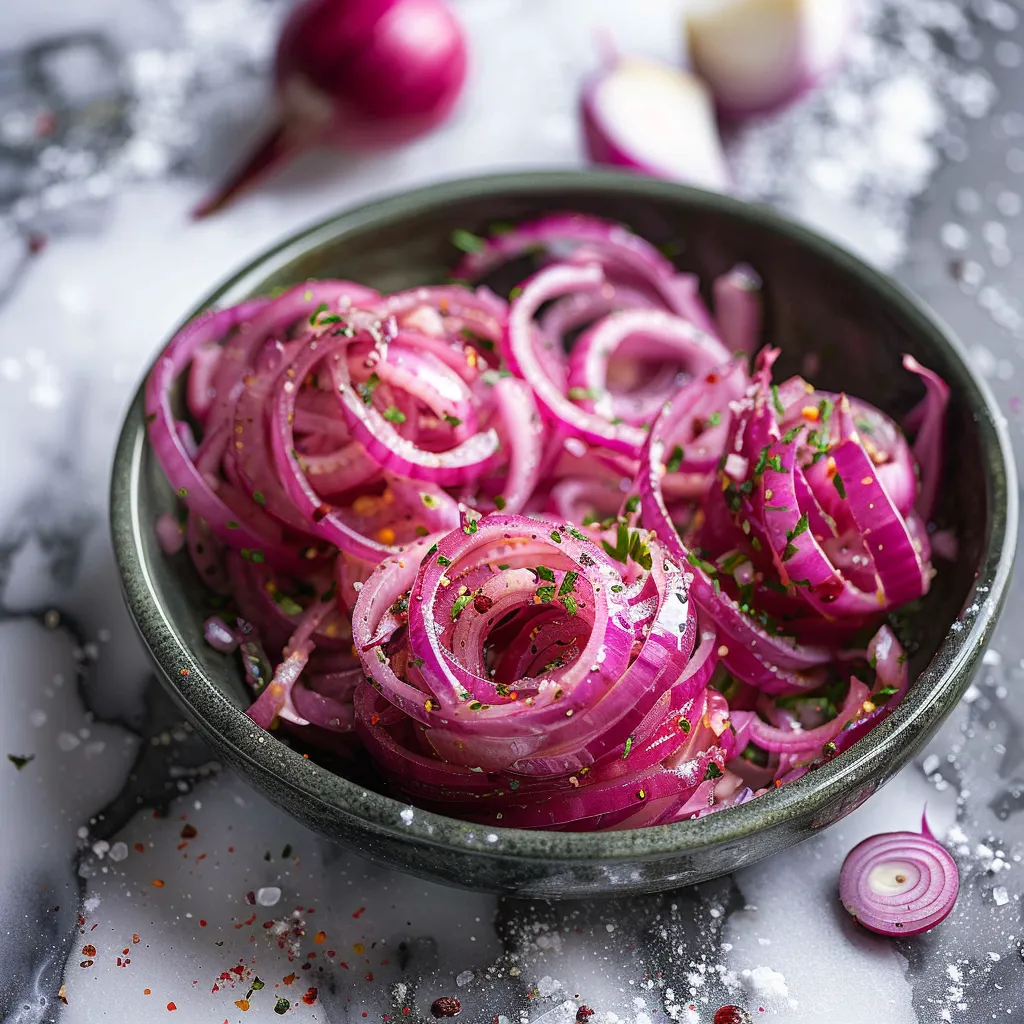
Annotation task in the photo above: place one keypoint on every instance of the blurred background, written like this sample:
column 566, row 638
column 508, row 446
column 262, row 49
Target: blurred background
column 895, row 126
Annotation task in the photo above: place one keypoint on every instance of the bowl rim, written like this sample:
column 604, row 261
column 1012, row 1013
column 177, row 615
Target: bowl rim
column 942, row 682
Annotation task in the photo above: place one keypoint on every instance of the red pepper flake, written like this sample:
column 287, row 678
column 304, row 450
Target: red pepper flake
column 248, row 921
column 181, row 846
column 231, row 849
column 238, row 969
column 250, row 898
column 135, row 937
column 201, row 856
column 583, row 1013
column 731, row 1014
column 289, row 979
column 319, row 938
column 268, row 924
column 184, row 672
column 405, row 1009
column 242, row 1004
column 88, row 950
column 36, row 242
column 94, row 927
column 310, row 997
column 139, row 848
column 446, row 1006
column 125, row 951
column 369, row 975
column 360, row 912
column 330, row 954
column 87, row 963
column 158, row 882
column 171, row 1006
column 202, row 923
column 147, row 992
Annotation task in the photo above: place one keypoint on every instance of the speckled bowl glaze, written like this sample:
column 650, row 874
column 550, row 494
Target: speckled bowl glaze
column 820, row 301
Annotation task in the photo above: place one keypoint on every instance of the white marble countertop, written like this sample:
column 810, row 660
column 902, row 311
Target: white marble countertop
column 137, row 879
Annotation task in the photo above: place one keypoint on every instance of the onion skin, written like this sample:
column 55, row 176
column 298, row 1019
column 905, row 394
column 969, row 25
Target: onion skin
column 899, row 883
column 361, row 74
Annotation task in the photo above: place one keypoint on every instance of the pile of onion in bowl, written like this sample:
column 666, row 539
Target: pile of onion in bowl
column 572, row 560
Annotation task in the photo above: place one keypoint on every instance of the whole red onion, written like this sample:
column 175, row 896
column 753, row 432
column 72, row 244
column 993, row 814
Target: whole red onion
column 359, row 74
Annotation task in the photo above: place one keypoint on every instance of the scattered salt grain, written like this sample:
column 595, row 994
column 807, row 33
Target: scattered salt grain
column 464, row 978
column 118, row 851
column 1000, row 896
column 268, row 896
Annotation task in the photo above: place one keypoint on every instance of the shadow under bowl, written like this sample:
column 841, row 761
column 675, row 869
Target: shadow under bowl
column 822, row 304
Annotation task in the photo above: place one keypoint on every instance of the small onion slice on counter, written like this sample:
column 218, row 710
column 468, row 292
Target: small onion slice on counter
column 899, row 883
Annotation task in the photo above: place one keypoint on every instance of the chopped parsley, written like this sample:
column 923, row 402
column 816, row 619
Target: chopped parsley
column 257, row 496
column 20, row 760
column 546, row 594
column 544, row 573
column 460, row 603
column 570, row 604
column 632, row 504
column 499, row 503
column 713, row 420
column 452, row 421
column 628, row 747
column 442, row 560
column 713, row 772
column 581, row 394
column 837, row 483
column 568, row 583
column 322, row 308
column 777, row 401
column 675, row 460
column 467, row 241
column 471, row 526
column 556, row 536
column 393, row 414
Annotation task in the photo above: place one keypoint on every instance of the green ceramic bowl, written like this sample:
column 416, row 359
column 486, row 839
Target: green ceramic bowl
column 820, row 302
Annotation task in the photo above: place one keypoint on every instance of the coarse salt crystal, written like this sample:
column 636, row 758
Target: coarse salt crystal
column 930, row 764
column 1000, row 896
column 118, row 851
column 464, row 978
column 268, row 896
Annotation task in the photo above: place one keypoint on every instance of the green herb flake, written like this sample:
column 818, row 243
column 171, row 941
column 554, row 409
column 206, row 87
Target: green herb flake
column 573, row 532
column 569, row 603
column 513, row 784
column 568, row 583
column 322, row 308
column 504, row 566
column 467, row 241
column 837, row 483
column 774, row 463
column 627, row 748
column 432, row 550
column 258, row 497
column 675, row 460
column 700, row 563
column 393, row 414
column 515, row 293
column 442, row 559
column 257, row 985
column 556, row 536
column 632, row 504
column 713, row 420
column 20, row 760
column 544, row 573
column 288, row 604
column 471, row 526
column 416, row 662
column 546, row 594
column 452, row 421
column 582, row 394
column 281, row 1006
column 790, row 435
column 684, row 724
column 777, row 401
column 713, row 772
column 499, row 503
column 460, row 603
column 776, row 508
column 428, row 500
column 367, row 388
column 231, row 524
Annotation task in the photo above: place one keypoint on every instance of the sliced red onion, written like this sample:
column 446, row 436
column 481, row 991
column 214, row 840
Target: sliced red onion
column 508, row 548
column 899, row 883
